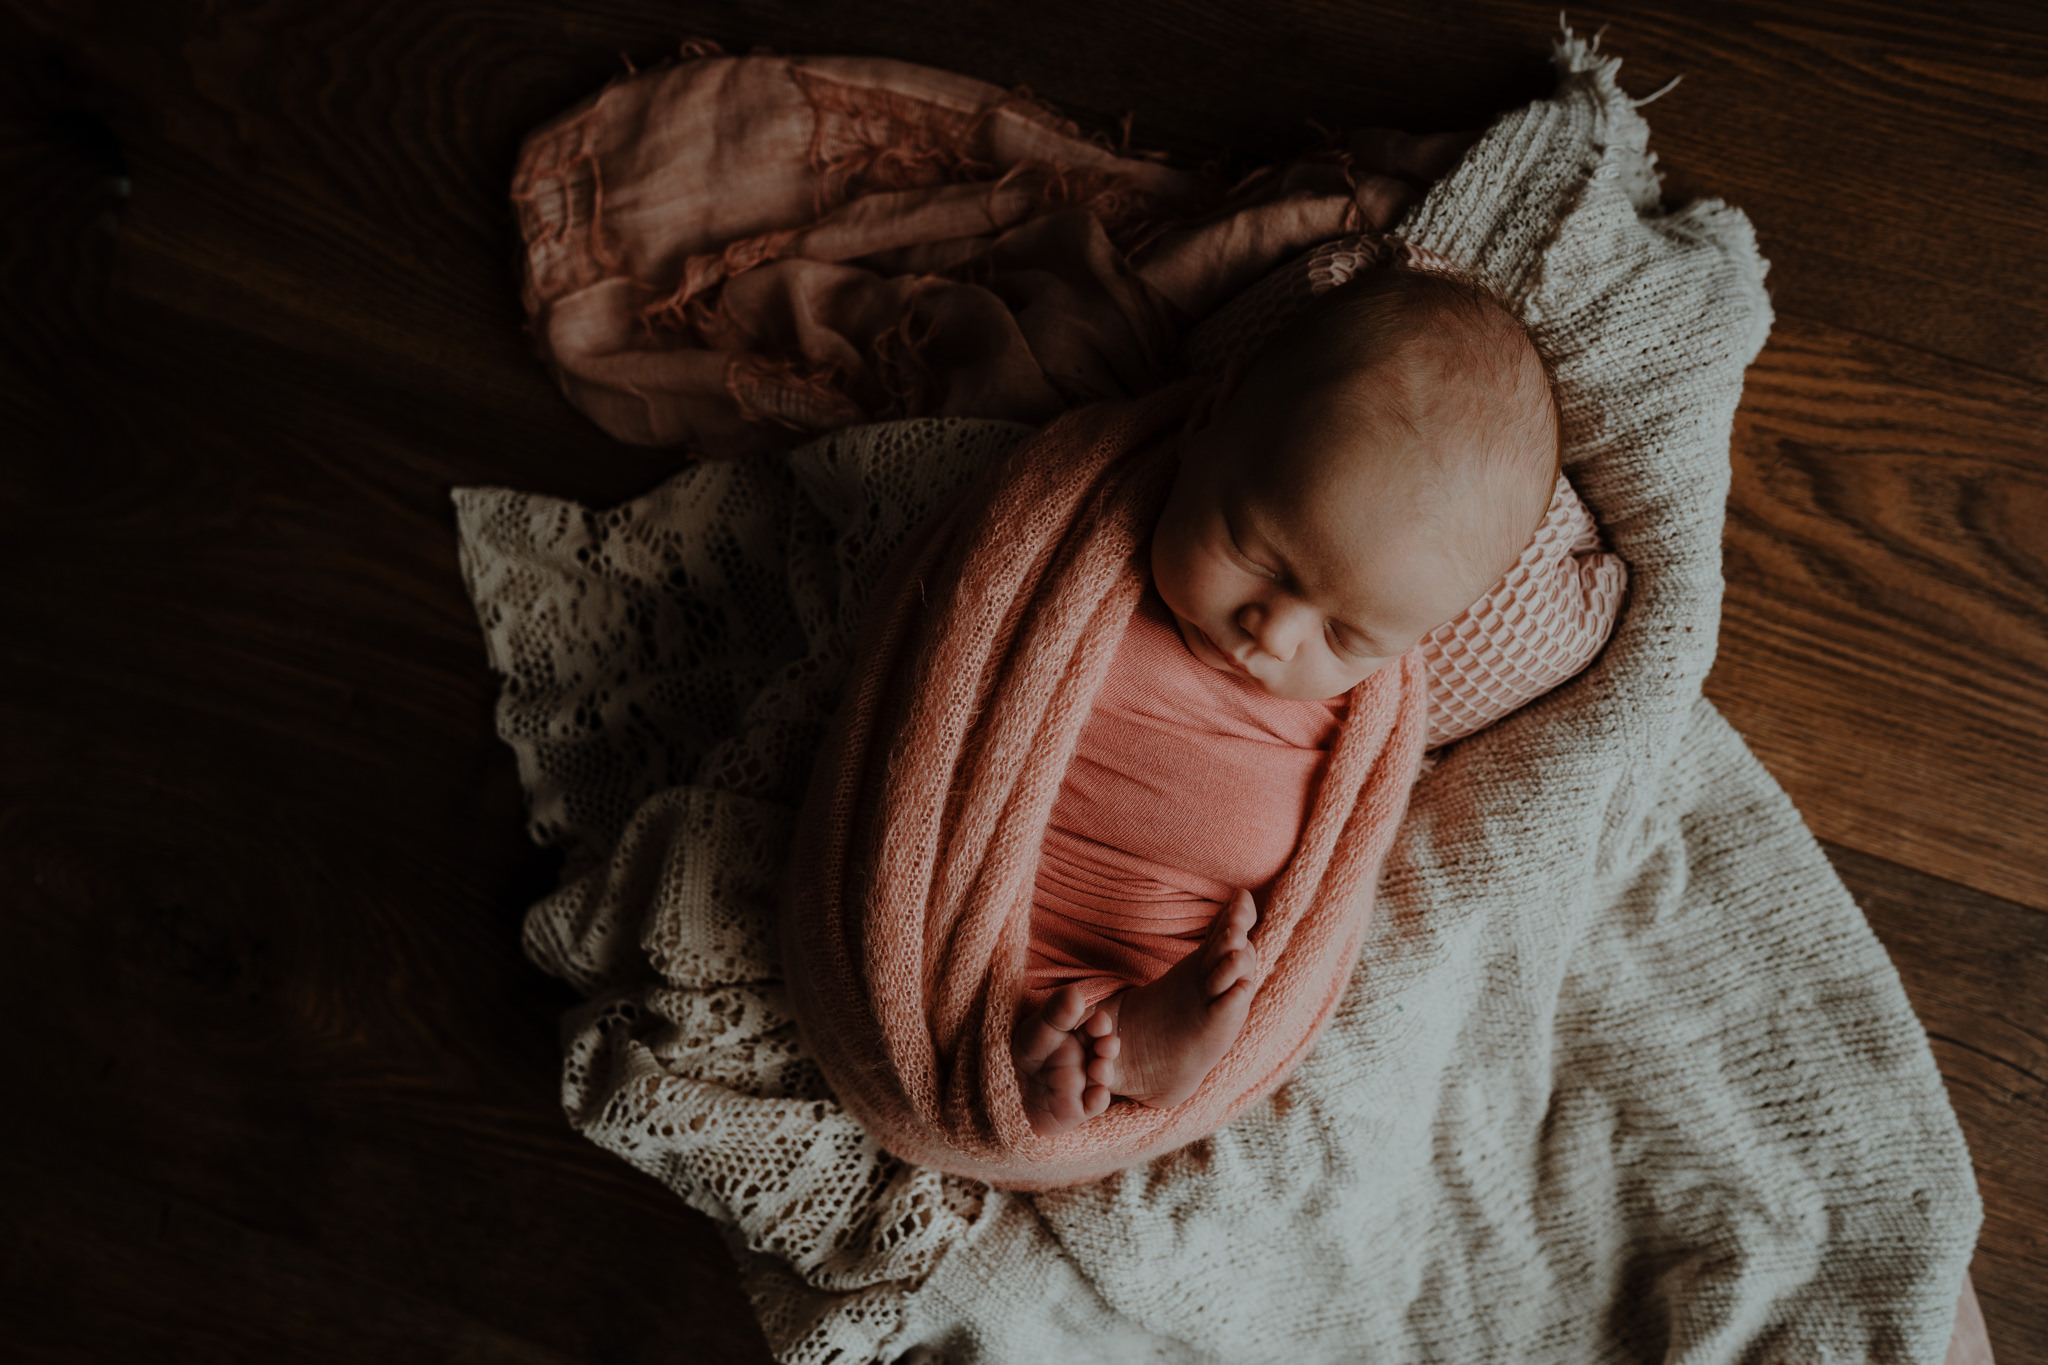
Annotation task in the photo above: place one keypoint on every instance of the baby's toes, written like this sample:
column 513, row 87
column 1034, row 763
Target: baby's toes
column 1238, row 965
column 1069, row 1056
column 1099, row 1024
column 1241, row 914
column 1065, row 1009
column 1039, row 1046
column 1069, row 1086
column 1102, row 1069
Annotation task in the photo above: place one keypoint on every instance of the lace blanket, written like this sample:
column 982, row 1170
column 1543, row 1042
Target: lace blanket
column 1622, row 1074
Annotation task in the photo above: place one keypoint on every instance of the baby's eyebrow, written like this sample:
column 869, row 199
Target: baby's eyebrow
column 1267, row 543
column 1237, row 522
column 1243, row 515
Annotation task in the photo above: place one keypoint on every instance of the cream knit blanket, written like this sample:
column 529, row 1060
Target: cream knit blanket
column 1621, row 1075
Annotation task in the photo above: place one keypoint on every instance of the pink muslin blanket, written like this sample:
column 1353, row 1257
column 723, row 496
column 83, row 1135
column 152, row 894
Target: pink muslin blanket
column 733, row 253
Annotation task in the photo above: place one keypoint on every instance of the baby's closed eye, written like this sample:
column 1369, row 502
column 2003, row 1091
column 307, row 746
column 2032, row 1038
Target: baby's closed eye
column 1345, row 642
column 1245, row 557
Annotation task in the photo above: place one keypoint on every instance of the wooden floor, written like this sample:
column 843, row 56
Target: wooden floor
column 281, row 1085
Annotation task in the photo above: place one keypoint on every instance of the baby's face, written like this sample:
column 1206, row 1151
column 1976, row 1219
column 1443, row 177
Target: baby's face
column 1305, row 570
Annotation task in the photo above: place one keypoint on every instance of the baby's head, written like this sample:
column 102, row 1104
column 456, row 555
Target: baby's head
column 1357, row 483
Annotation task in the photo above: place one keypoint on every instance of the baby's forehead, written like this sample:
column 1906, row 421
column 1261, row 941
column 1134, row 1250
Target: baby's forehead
column 1441, row 457
column 1424, row 412
column 1394, row 424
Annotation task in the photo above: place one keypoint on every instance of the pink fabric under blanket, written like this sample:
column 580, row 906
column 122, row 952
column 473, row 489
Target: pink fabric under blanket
column 1187, row 784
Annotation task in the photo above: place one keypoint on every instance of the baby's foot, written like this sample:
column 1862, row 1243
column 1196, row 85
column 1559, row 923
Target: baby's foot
column 1178, row 1027
column 1057, row 1068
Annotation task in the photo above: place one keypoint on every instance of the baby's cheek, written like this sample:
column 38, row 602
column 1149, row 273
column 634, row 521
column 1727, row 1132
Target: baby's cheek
column 1325, row 679
column 1173, row 570
column 1353, row 674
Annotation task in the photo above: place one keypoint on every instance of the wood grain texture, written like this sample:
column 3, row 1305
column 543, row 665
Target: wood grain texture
column 294, row 1090
column 1890, row 154
column 383, row 135
column 265, row 886
column 265, row 870
column 1885, row 633
column 1977, row 971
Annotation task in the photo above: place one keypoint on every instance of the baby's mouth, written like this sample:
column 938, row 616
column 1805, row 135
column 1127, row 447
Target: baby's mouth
column 1228, row 662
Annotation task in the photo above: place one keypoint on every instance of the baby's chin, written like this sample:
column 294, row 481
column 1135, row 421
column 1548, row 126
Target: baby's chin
column 1302, row 693
column 1202, row 647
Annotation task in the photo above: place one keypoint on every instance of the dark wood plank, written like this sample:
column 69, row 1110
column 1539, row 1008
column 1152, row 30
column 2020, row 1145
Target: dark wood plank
column 1884, row 642
column 1890, row 155
column 265, row 968
column 295, row 1090
column 1891, row 162
column 1977, row 971
column 123, row 1271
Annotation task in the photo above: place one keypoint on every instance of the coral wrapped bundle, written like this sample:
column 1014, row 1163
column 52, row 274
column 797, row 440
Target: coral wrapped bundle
column 907, row 918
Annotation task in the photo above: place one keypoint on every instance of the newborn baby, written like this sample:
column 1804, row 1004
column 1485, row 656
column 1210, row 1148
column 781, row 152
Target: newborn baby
column 1366, row 476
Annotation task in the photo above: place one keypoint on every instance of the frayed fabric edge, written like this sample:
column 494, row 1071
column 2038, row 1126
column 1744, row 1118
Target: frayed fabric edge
column 1573, row 56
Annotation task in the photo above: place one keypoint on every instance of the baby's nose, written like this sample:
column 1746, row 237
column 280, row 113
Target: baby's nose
column 1276, row 633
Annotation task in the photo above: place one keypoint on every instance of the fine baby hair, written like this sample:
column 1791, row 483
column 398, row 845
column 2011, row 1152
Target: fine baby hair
column 1431, row 359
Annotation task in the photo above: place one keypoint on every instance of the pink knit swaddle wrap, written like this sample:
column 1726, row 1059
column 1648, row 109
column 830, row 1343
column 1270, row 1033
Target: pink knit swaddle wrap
column 1189, row 783
column 907, row 919
column 730, row 253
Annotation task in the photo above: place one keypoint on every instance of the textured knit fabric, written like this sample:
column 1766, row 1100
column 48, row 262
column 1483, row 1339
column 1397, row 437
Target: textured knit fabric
column 1622, row 1074
column 906, row 924
column 1186, row 784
